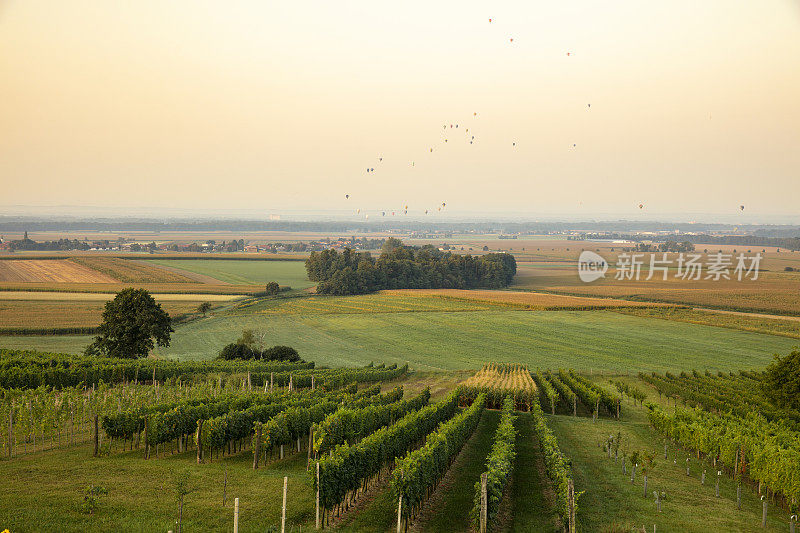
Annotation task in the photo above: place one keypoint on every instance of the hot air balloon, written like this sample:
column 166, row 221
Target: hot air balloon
column 470, row 142
column 406, row 207
column 367, row 169
column 475, row 114
column 568, row 54
column 451, row 125
column 511, row 40
column 412, row 163
column 380, row 159
column 405, row 212
column 358, row 211
column 440, row 208
column 590, row 105
column 741, row 207
column 383, row 213
column 513, row 144
column 426, row 211
column 431, row 150
column 641, row 206
column 372, row 170
column 346, row 196
column 443, row 204
column 490, row 21
column 574, row 145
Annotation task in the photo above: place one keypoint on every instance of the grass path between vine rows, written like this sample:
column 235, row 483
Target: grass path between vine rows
column 532, row 507
column 448, row 508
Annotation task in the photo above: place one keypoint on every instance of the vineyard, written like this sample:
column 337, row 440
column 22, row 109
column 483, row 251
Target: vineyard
column 371, row 449
column 729, row 422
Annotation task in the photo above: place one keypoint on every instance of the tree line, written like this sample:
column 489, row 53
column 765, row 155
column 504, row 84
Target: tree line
column 407, row 267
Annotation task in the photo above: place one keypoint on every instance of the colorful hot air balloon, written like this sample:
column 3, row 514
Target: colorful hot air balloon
column 741, row 207
column 426, row 211
column 590, row 105
column 490, row 21
column 443, row 204
column 346, row 196
column 431, row 150
column 513, row 144
column 568, row 53
column 358, row 211
column 475, row 114
column 511, row 39
column 380, row 159
column 383, row 213
column 406, row 207
column 641, row 206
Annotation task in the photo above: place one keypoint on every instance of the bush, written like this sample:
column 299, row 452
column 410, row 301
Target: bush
column 281, row 353
column 272, row 288
column 238, row 350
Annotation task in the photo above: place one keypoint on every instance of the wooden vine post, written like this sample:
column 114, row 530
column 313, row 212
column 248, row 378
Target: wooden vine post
column 571, row 503
column 257, row 446
column 271, row 381
column 317, row 520
column 146, row 437
column 764, row 512
column 236, row 515
column 483, row 502
column 399, row 513
column 199, row 442
column 96, row 437
column 283, row 508
column 596, row 408
column 310, row 443
column 574, row 405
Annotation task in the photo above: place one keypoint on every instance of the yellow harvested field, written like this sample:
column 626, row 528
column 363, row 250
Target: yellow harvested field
column 43, row 314
column 102, row 296
column 528, row 300
column 129, row 271
column 511, row 377
column 51, row 271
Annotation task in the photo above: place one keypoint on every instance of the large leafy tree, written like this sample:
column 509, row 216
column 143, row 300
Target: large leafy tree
column 132, row 322
column 782, row 380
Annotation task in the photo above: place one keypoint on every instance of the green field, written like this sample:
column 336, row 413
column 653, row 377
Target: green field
column 439, row 334
column 286, row 273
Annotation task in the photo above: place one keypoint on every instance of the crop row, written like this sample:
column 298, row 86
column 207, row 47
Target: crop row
column 499, row 465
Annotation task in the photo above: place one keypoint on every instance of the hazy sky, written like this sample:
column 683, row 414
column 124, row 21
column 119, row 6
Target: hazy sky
column 695, row 106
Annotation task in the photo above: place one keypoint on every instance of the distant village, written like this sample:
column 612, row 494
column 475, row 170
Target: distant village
column 123, row 244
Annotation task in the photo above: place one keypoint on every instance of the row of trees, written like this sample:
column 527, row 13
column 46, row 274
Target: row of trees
column 407, row 267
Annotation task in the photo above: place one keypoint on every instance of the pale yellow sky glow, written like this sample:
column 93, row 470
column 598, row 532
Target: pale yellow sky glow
column 695, row 106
